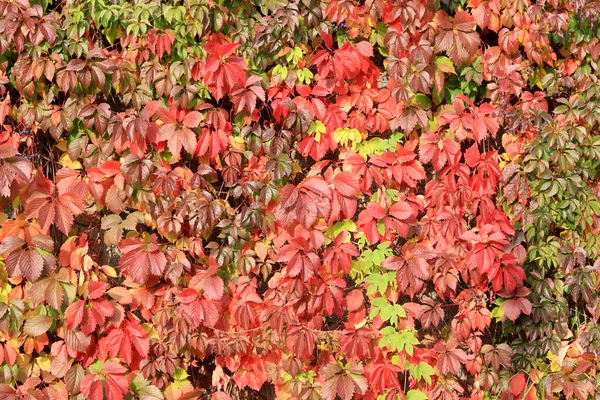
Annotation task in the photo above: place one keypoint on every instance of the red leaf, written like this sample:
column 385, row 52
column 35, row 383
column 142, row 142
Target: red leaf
column 252, row 374
column 339, row 256
column 74, row 314
column 96, row 289
column 346, row 184
column 458, row 38
column 130, row 340
column 355, row 300
column 49, row 209
column 306, row 202
column 438, row 151
column 517, row 383
column 142, row 258
column 383, row 375
column 450, row 357
column 513, row 308
column 343, row 382
column 222, row 70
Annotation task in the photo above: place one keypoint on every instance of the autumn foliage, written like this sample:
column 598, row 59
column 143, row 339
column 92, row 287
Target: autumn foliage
column 388, row 199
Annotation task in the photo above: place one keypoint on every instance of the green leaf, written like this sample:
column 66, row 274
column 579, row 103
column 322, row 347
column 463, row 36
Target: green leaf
column 398, row 341
column 416, row 395
column 422, row 101
column 304, row 75
column 391, row 312
column 144, row 390
column 380, row 282
column 444, row 64
column 316, row 129
column 339, row 227
column 294, row 55
column 280, row 70
column 180, row 374
column 421, row 371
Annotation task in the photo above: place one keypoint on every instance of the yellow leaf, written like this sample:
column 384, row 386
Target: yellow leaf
column 557, row 359
column 109, row 271
column 316, row 129
column 62, row 145
column 345, row 135
column 44, row 363
column 66, row 162
column 237, row 142
column 150, row 331
column 4, row 291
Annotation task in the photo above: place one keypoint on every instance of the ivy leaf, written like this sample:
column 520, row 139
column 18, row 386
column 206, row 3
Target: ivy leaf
column 413, row 266
column 434, row 149
column 252, row 373
column 429, row 313
column 245, row 97
column 49, row 290
column 112, row 375
column 516, row 305
column 501, row 355
column 129, row 340
column 305, row 203
column 404, row 340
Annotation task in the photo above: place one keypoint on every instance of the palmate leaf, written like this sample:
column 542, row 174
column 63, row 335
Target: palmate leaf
column 413, row 266
column 129, row 340
column 13, row 169
column 457, row 36
column 90, row 313
column 56, row 204
column 176, row 129
column 144, row 390
column 252, row 374
column 383, row 374
column 142, row 258
column 114, row 226
column 305, row 203
column 499, row 356
column 339, row 256
column 29, row 260
column 486, row 244
column 106, row 381
column 343, row 382
column 222, row 70
column 246, row 96
column 516, row 304
column 49, row 290
column 429, row 313
column 436, row 150
column 450, row 357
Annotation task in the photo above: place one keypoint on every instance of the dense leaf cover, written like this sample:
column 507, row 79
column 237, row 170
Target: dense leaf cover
column 389, row 199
